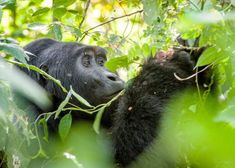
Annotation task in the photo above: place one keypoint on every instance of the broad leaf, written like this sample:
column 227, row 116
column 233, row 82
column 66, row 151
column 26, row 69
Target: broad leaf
column 41, row 11
column 59, row 12
column 56, row 29
column 37, row 26
column 63, row 104
column 24, row 85
column 15, row 51
column 96, row 124
column 118, row 62
column 65, row 125
column 151, row 11
column 211, row 55
column 64, row 3
column 0, row 14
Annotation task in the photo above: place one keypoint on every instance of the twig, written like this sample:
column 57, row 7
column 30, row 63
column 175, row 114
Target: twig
column 191, row 76
column 203, row 3
column 38, row 70
column 116, row 18
column 194, row 5
column 84, row 14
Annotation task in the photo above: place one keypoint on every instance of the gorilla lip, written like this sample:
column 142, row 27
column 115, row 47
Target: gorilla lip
column 113, row 94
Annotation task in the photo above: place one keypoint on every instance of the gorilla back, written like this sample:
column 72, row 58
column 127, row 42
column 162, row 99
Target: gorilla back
column 140, row 110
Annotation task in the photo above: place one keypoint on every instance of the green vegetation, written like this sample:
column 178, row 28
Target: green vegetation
column 199, row 132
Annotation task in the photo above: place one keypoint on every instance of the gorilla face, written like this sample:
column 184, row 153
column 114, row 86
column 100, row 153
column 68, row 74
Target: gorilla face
column 77, row 65
column 96, row 84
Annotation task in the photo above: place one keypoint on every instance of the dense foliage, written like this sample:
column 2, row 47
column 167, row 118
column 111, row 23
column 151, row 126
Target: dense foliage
column 200, row 134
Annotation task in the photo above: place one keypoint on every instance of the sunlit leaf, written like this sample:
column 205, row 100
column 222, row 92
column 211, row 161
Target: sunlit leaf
column 41, row 11
column 24, row 85
column 4, row 104
column 151, row 11
column 207, row 17
column 73, row 11
column 0, row 14
column 64, row 3
column 117, row 62
column 211, row 55
column 233, row 2
column 228, row 115
column 146, row 49
column 75, row 31
column 56, row 29
column 65, row 125
column 37, row 26
column 59, row 12
column 15, row 51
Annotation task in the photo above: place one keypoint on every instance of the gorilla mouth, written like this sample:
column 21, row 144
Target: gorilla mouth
column 110, row 96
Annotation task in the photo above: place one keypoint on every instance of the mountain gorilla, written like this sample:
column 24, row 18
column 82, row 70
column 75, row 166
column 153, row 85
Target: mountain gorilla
column 139, row 112
column 77, row 65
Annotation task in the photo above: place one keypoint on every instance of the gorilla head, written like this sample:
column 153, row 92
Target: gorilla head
column 77, row 65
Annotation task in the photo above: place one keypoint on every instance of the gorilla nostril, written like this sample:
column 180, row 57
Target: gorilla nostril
column 112, row 78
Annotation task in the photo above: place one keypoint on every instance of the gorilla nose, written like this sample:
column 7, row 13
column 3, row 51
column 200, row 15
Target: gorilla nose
column 112, row 77
column 115, row 81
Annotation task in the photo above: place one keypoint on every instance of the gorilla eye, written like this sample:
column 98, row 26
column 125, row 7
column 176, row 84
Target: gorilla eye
column 100, row 61
column 86, row 60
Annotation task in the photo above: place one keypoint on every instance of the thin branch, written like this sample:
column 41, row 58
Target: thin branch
column 202, row 5
column 191, row 76
column 85, row 13
column 116, row 18
column 194, row 5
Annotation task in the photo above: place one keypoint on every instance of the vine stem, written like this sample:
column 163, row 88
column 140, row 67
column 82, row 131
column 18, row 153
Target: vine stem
column 111, row 20
column 85, row 13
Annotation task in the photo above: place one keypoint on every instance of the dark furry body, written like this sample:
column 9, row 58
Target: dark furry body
column 139, row 112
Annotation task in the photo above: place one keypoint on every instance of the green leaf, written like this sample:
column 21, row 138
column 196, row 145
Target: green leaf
column 96, row 124
column 45, row 128
column 63, row 104
column 227, row 115
column 118, row 62
column 56, row 29
column 15, row 51
column 65, row 125
column 37, row 26
column 41, row 11
column 80, row 98
column 151, row 11
column 75, row 31
column 211, row 55
column 64, row 3
column 4, row 94
column 59, row 12
column 233, row 2
column 0, row 14
column 20, row 82
column 73, row 11
column 146, row 49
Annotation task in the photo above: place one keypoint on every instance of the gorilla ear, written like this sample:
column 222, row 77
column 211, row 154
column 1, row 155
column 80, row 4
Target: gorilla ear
column 195, row 51
column 182, row 41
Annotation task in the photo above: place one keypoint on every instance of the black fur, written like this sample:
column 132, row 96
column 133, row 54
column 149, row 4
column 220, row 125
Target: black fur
column 140, row 109
column 76, row 65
